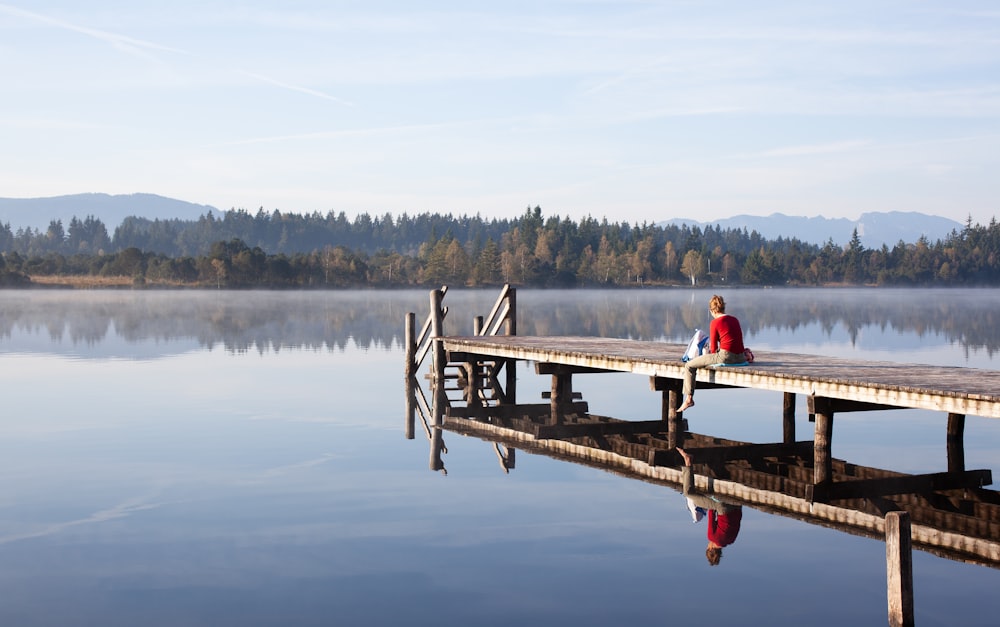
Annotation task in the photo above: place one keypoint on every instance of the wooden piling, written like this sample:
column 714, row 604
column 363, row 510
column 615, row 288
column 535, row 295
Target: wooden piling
column 411, row 409
column 473, row 380
column 899, row 569
column 437, row 429
column 510, row 366
column 561, row 395
column 410, row 374
column 823, row 436
column 437, row 330
column 410, row 340
column 437, row 446
column 510, row 325
column 671, row 391
column 956, row 442
column 788, row 418
column 439, row 363
column 672, row 398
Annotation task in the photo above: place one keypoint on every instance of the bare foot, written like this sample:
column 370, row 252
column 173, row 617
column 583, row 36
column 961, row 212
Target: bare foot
column 685, row 455
column 687, row 404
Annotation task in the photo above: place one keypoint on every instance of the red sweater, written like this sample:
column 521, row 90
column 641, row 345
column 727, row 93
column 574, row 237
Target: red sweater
column 725, row 333
column 722, row 528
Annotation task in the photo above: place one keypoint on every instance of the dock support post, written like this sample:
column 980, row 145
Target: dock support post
column 899, row 569
column 440, row 398
column 671, row 391
column 823, row 436
column 410, row 340
column 956, row 442
column 561, row 395
column 510, row 327
column 437, row 431
column 410, row 374
column 437, row 330
column 671, row 400
column 473, row 374
column 788, row 418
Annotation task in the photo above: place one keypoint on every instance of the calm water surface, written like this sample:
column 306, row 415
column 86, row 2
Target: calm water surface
column 237, row 458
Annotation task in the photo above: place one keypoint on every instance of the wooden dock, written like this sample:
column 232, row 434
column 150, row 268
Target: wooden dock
column 966, row 391
column 952, row 514
column 829, row 385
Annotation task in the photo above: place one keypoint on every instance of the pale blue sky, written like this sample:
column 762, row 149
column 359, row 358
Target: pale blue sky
column 638, row 111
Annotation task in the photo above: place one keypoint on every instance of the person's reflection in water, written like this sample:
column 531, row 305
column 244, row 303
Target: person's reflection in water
column 723, row 518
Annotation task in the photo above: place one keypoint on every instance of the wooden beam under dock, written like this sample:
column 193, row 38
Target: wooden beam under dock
column 568, row 431
column 536, row 410
column 886, row 486
column 721, row 454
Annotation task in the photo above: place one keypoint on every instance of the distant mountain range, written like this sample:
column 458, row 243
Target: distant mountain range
column 874, row 229
column 111, row 210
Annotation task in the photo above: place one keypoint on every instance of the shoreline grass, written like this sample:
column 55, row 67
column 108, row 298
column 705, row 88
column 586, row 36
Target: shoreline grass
column 102, row 282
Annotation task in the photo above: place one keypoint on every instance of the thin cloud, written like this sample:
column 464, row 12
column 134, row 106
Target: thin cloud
column 309, row 463
column 657, row 67
column 816, row 149
column 384, row 130
column 121, row 510
column 668, row 112
column 140, row 47
column 48, row 124
column 124, row 43
column 303, row 90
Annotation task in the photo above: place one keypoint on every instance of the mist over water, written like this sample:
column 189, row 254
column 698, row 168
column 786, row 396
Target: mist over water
column 962, row 327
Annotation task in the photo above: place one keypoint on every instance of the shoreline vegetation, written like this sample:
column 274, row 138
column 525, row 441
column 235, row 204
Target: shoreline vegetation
column 275, row 251
column 85, row 282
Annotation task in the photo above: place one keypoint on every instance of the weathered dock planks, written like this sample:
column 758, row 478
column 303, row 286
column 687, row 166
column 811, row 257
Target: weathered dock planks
column 963, row 391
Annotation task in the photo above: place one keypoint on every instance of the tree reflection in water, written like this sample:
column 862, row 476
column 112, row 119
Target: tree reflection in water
column 863, row 319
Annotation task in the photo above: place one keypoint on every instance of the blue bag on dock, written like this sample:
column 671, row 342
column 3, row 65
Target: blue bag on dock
column 696, row 346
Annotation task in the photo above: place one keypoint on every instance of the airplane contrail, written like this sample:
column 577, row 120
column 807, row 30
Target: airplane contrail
column 122, row 42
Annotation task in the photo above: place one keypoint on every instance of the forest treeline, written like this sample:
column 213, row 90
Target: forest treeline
column 239, row 249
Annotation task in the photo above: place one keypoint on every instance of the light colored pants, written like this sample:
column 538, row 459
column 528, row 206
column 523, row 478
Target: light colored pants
column 708, row 359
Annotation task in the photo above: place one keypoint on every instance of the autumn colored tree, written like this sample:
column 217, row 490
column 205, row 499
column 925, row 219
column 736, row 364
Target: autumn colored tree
column 693, row 266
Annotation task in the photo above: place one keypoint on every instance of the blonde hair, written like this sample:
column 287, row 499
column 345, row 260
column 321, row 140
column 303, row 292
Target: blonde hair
column 717, row 305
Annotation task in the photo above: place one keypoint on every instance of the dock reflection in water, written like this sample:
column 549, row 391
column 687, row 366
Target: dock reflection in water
column 961, row 524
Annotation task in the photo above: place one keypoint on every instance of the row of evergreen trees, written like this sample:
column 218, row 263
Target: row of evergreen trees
column 277, row 250
column 295, row 233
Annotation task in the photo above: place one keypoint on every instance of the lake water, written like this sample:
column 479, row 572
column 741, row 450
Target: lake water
column 237, row 458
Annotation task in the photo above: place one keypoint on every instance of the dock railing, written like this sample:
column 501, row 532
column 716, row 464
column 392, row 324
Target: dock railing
column 418, row 345
column 502, row 316
column 477, row 379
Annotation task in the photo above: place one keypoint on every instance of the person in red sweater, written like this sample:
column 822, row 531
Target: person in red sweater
column 723, row 518
column 725, row 346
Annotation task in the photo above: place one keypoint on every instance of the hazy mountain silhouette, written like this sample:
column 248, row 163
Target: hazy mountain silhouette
column 874, row 228
column 111, row 210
